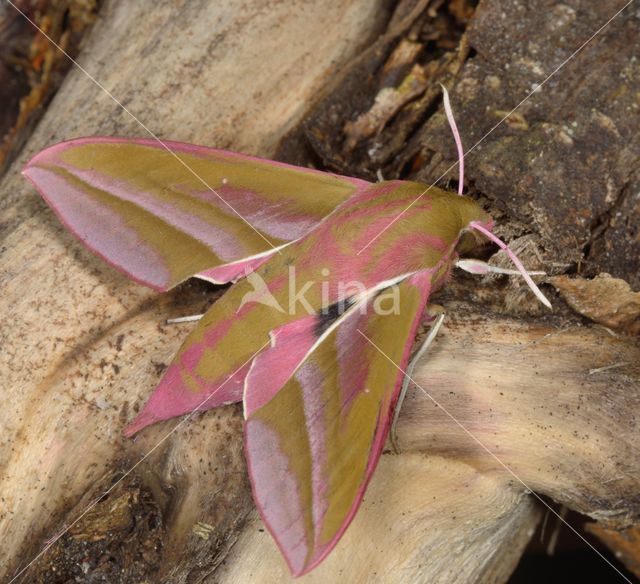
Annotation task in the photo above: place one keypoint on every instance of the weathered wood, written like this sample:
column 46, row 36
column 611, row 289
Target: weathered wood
column 81, row 346
column 32, row 68
column 424, row 519
column 561, row 416
column 624, row 544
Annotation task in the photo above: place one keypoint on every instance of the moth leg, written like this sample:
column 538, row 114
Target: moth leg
column 180, row 319
column 481, row 268
column 433, row 331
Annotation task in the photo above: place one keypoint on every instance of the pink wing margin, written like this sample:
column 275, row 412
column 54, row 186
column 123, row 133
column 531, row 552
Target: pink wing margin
column 161, row 213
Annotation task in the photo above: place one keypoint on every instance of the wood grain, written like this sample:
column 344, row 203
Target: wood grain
column 82, row 346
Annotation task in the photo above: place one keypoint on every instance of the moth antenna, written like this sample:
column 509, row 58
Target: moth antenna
column 181, row 319
column 514, row 258
column 379, row 175
column 456, row 136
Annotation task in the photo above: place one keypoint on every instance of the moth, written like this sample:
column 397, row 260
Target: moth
column 319, row 376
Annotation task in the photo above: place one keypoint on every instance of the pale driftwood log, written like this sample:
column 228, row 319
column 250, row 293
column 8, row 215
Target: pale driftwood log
column 78, row 341
column 557, row 405
column 82, row 346
column 424, row 519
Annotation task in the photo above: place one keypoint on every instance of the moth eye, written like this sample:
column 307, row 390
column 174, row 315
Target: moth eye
column 467, row 243
column 327, row 315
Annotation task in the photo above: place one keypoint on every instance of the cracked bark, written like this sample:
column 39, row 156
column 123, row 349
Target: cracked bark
column 560, row 168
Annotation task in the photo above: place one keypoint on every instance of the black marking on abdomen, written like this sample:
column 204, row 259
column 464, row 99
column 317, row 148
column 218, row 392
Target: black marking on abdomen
column 329, row 314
